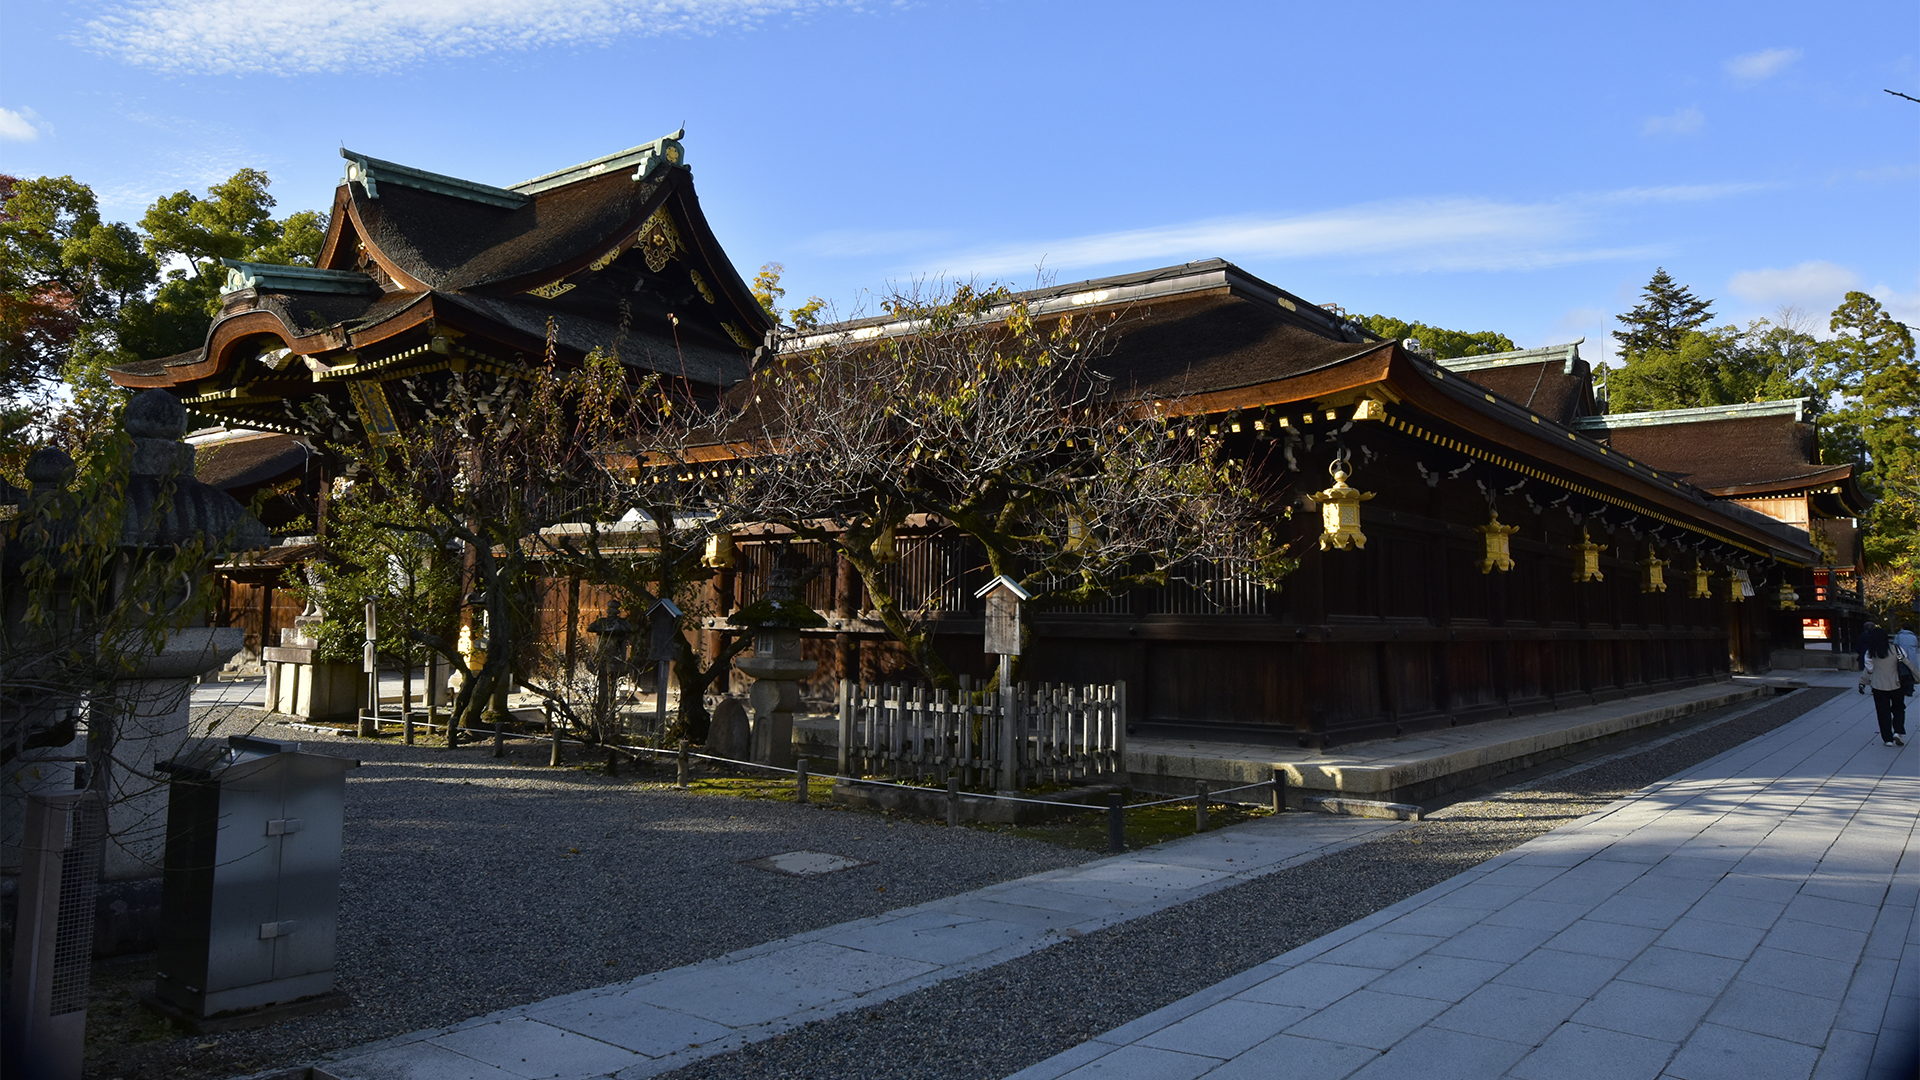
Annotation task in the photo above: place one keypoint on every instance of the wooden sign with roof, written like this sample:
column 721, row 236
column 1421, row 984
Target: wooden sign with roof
column 423, row 273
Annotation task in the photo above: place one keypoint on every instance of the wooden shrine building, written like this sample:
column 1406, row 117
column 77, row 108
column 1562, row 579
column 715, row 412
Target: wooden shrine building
column 422, row 273
column 1523, row 554
column 1515, row 561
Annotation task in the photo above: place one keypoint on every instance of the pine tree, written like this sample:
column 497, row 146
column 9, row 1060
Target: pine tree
column 1665, row 315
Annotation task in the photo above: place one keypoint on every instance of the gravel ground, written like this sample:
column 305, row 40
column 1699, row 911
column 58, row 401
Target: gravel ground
column 995, row 1022
column 472, row 884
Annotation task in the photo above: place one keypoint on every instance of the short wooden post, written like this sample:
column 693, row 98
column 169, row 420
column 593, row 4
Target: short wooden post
column 553, row 730
column 499, row 734
column 685, row 764
column 1200, row 807
column 1116, row 823
column 953, row 798
column 406, row 726
column 1279, row 790
column 800, row 782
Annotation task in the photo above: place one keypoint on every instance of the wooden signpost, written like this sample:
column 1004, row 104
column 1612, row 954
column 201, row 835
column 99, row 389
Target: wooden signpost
column 1004, row 597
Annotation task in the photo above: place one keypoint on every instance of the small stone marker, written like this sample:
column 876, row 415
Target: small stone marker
column 728, row 735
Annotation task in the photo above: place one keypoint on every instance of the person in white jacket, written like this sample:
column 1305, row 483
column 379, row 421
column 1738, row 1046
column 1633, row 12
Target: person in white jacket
column 1883, row 660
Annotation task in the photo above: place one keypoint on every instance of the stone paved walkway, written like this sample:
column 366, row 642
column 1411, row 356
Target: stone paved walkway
column 659, row 1022
column 1750, row 918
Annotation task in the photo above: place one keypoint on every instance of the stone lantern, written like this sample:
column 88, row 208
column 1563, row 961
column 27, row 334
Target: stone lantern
column 775, row 665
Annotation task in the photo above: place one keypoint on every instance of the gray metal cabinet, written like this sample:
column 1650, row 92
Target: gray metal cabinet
column 251, row 898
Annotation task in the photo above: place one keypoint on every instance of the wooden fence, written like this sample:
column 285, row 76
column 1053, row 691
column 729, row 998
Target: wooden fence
column 1059, row 733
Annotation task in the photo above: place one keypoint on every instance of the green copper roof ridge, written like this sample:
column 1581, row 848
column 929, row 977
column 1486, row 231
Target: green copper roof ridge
column 370, row 172
column 633, row 155
column 253, row 275
column 1797, row 407
column 1569, row 352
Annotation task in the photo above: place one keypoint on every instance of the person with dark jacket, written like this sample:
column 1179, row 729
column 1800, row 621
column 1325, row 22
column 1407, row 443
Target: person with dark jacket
column 1883, row 660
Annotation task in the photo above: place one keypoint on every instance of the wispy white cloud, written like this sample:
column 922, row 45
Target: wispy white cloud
column 1814, row 286
column 301, row 36
column 1409, row 235
column 22, row 125
column 1680, row 122
column 1765, row 64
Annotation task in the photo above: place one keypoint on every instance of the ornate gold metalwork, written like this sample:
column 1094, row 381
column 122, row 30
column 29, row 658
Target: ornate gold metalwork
column 1653, row 577
column 1589, row 551
column 1499, row 544
column 738, row 335
column 706, row 291
column 1739, row 586
column 551, row 289
column 606, row 260
column 659, row 240
column 1789, row 599
column 376, row 415
column 1702, row 582
column 1340, row 511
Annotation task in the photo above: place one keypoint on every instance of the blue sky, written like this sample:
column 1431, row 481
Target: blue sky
column 1519, row 167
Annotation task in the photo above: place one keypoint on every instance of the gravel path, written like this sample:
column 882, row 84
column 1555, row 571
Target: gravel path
column 472, row 884
column 995, row 1022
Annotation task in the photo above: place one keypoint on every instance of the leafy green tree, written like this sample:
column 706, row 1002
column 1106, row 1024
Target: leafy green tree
column 1721, row 366
column 1667, row 312
column 1446, row 344
column 79, row 295
column 64, row 276
column 1868, row 368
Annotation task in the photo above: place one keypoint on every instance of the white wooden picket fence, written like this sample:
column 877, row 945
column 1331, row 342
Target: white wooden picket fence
column 1059, row 733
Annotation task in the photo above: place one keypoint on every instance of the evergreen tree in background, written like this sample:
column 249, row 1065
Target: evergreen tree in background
column 1667, row 312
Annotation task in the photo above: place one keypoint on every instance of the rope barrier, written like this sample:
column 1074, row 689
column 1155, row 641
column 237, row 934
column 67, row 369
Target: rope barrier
column 811, row 775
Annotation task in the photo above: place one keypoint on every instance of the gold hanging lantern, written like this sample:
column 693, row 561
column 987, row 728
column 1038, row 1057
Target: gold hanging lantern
column 1499, row 544
column 1789, row 599
column 1702, row 582
column 720, row 552
column 1739, row 586
column 1340, row 510
column 1589, row 552
column 1653, row 577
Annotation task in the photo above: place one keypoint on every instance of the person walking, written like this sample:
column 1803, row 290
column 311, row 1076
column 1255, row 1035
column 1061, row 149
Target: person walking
column 1883, row 660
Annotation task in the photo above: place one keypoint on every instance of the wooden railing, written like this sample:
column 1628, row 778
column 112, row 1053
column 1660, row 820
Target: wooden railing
column 1059, row 733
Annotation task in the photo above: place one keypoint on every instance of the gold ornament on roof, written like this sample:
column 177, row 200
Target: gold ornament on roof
column 1340, row 510
column 1589, row 552
column 659, row 240
column 1653, row 576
